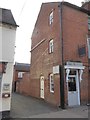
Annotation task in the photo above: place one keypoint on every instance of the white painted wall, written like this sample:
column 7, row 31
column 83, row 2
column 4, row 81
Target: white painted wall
column 7, row 44
column 7, row 78
column 0, row 43
column 7, row 47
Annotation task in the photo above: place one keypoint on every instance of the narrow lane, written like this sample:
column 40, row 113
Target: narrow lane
column 29, row 107
column 26, row 106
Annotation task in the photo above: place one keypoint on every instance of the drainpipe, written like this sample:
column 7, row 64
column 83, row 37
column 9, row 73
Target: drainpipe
column 61, row 67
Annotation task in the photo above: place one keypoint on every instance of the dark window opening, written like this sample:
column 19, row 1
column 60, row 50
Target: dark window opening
column 88, row 22
column 82, row 51
column 72, row 84
column 72, row 72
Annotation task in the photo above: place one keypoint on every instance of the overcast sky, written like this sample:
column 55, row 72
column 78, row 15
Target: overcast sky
column 25, row 13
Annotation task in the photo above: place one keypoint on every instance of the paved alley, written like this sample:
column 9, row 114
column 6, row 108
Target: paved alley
column 26, row 106
column 29, row 107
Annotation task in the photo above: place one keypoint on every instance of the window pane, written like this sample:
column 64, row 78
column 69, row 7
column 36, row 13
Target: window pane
column 88, row 19
column 20, row 74
column 89, row 26
column 51, row 18
column 51, row 46
column 51, row 83
column 72, row 84
column 89, row 48
column 89, row 22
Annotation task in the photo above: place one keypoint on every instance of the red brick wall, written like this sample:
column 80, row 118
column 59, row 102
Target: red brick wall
column 22, row 84
column 74, row 32
column 75, row 25
column 25, row 84
column 87, row 6
column 41, row 61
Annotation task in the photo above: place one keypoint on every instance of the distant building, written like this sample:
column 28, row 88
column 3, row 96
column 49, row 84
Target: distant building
column 60, row 54
column 21, row 77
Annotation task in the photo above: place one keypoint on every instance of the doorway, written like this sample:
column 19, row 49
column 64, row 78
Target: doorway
column 73, row 89
column 42, row 87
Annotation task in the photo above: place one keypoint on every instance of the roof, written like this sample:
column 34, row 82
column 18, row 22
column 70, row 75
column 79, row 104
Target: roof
column 6, row 17
column 71, row 5
column 23, row 67
column 76, row 7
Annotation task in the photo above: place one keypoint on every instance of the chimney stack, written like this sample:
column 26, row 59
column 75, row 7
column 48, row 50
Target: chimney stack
column 86, row 4
column 82, row 2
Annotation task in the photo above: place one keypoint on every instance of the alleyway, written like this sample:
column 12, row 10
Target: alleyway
column 25, row 106
column 29, row 107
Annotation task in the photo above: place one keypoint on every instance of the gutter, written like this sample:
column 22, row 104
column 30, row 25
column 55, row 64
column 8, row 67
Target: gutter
column 61, row 30
column 61, row 67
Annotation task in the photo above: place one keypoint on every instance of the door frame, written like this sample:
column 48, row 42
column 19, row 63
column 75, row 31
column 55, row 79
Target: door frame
column 77, row 87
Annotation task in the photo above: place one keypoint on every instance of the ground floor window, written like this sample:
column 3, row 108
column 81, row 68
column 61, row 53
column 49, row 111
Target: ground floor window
column 89, row 47
column 51, row 78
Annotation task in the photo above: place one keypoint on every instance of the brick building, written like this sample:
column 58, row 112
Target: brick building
column 60, row 54
column 21, row 78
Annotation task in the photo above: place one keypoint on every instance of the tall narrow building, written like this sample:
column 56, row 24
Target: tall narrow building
column 60, row 54
column 7, row 45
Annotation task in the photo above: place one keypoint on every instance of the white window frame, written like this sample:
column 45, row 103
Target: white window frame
column 88, row 43
column 20, row 74
column 51, row 46
column 51, row 83
column 51, row 18
column 88, row 22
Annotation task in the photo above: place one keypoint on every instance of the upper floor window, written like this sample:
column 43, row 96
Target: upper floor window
column 88, row 47
column 82, row 50
column 51, row 46
column 51, row 18
column 20, row 74
column 88, row 22
column 51, row 83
